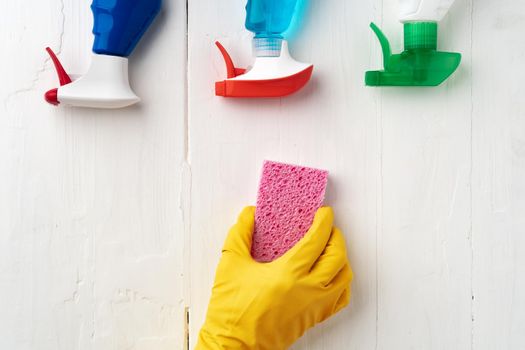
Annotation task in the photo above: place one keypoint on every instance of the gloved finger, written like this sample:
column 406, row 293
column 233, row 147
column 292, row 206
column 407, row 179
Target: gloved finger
column 343, row 279
column 306, row 252
column 331, row 261
column 239, row 238
column 339, row 299
column 342, row 301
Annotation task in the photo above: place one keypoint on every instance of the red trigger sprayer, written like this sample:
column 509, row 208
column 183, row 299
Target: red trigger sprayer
column 274, row 73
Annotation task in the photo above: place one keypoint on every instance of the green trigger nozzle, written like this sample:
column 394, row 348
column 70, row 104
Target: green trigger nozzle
column 420, row 64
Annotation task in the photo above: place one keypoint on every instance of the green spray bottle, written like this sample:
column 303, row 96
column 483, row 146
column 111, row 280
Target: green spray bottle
column 420, row 64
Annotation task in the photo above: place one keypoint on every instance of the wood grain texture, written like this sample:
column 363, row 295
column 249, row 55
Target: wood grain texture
column 90, row 218
column 424, row 252
column 111, row 222
column 498, row 224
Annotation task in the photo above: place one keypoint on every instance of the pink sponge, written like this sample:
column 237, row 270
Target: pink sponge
column 288, row 198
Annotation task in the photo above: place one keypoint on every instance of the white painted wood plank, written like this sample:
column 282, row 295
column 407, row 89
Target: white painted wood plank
column 330, row 124
column 424, row 253
column 498, row 175
column 90, row 224
column 102, row 213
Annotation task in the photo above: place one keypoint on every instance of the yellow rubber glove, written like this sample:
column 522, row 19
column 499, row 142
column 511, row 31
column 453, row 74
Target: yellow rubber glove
column 268, row 306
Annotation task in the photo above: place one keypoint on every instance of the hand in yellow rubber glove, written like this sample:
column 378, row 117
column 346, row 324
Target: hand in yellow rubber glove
column 268, row 306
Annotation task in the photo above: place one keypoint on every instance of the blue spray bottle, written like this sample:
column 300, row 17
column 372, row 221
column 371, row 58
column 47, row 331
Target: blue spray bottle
column 118, row 27
column 275, row 73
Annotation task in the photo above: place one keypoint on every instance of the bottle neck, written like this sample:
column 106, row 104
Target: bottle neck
column 420, row 35
column 267, row 46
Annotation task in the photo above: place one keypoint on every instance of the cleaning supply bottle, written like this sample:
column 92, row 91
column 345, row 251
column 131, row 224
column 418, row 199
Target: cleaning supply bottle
column 275, row 73
column 118, row 27
column 420, row 64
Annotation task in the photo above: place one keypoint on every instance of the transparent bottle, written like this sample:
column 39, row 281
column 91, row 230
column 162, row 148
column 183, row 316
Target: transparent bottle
column 268, row 20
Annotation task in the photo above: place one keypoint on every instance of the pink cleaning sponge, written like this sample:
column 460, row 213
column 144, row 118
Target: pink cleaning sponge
column 288, row 198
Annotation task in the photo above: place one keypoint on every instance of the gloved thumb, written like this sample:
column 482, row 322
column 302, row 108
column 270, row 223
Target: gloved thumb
column 239, row 240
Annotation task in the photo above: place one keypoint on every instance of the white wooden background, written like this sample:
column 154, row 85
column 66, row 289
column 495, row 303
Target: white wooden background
column 111, row 222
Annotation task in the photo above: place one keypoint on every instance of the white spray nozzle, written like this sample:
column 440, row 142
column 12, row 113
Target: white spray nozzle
column 105, row 85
